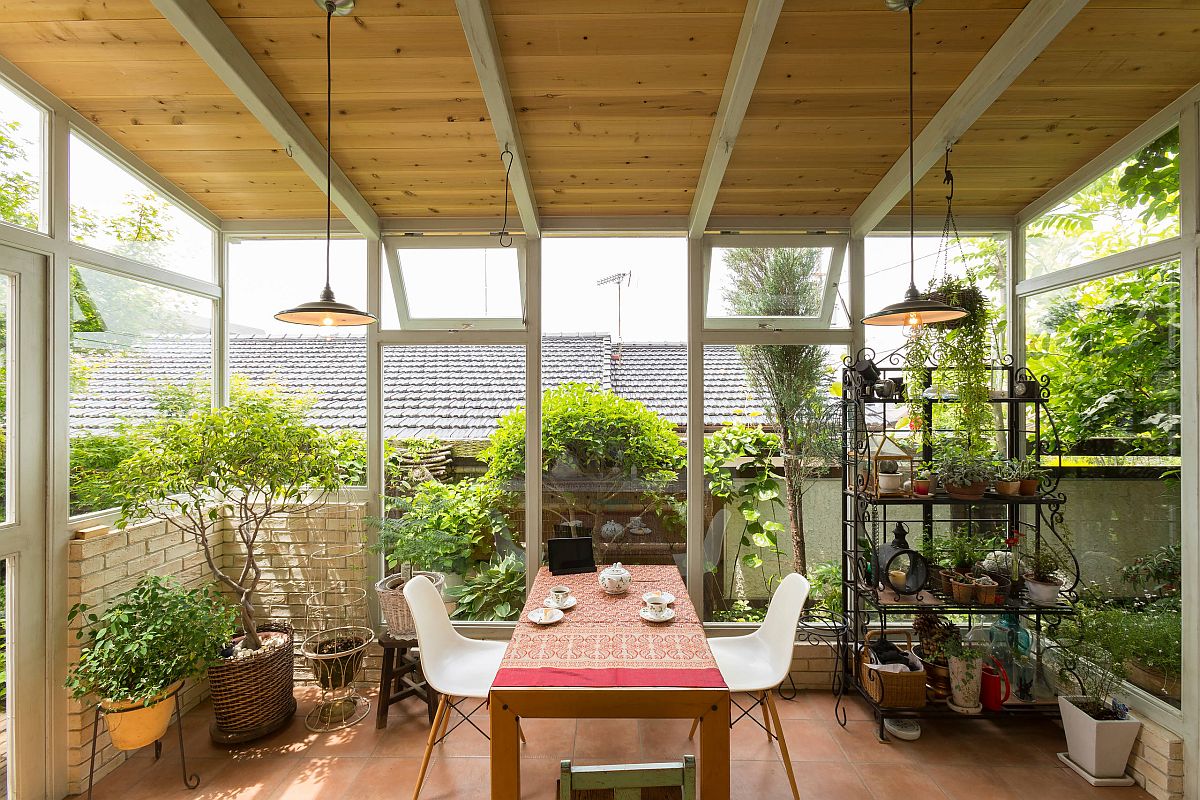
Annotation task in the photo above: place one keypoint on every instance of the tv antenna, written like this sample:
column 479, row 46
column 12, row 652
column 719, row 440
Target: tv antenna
column 617, row 279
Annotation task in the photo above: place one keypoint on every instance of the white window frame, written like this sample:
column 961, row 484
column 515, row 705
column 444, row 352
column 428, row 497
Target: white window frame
column 392, row 247
column 43, row 226
column 823, row 320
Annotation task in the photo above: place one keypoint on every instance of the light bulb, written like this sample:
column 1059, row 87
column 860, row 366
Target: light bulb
column 327, row 322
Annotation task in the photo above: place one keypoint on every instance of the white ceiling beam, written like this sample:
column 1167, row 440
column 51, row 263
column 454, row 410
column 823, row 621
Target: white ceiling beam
column 758, row 27
column 477, row 24
column 1028, row 35
column 212, row 40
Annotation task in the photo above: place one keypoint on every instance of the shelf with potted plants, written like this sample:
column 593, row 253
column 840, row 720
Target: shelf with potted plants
column 985, row 520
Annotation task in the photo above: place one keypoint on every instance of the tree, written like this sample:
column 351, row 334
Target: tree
column 793, row 379
column 18, row 189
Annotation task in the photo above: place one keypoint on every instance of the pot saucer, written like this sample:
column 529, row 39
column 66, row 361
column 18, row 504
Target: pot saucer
column 650, row 616
column 962, row 710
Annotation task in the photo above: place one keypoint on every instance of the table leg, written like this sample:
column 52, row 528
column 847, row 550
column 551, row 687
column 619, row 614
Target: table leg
column 506, row 752
column 714, row 752
column 385, row 688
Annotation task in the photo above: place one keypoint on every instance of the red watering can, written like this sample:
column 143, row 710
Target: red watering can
column 995, row 687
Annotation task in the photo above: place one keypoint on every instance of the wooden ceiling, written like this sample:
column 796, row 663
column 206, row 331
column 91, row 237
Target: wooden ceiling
column 614, row 101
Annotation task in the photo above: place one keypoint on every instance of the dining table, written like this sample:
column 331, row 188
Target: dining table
column 603, row 660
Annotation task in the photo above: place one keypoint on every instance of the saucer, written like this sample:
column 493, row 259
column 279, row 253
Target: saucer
column 571, row 601
column 650, row 616
column 667, row 596
column 545, row 616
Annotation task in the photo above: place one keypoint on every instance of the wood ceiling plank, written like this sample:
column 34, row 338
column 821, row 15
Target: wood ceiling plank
column 579, row 106
column 72, row 80
column 663, row 35
column 226, row 110
column 838, row 32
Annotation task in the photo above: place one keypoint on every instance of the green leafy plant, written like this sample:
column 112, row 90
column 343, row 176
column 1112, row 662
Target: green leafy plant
column 1156, row 574
column 740, row 611
column 935, row 633
column 251, row 462
column 1095, row 671
column 496, row 591
column 1042, row 563
column 1006, row 469
column 150, row 637
column 888, row 467
column 444, row 527
column 747, row 450
column 825, row 590
column 961, row 468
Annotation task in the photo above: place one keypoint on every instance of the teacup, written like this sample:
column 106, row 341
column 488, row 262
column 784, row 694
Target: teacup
column 657, row 605
column 560, row 595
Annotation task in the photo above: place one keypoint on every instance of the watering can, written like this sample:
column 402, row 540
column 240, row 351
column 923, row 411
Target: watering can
column 995, row 688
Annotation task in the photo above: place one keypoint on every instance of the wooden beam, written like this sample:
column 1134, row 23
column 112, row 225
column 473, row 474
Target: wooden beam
column 485, row 52
column 758, row 28
column 212, row 40
column 1030, row 33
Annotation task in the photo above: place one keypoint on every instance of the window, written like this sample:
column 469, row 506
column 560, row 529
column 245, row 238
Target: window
column 138, row 352
column 22, row 161
column 454, row 473
column 454, row 282
column 1135, row 204
column 774, row 282
column 114, row 211
column 1111, row 350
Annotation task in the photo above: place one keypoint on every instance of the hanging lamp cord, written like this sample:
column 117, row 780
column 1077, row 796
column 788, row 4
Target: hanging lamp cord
column 912, row 178
column 327, row 294
column 506, row 239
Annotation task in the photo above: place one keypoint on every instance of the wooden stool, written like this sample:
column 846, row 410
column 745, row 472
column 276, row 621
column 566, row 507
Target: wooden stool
column 401, row 677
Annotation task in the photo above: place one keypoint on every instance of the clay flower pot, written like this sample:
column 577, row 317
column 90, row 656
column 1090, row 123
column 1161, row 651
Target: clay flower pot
column 132, row 724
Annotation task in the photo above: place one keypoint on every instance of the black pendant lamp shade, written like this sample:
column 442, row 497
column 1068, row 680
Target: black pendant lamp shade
column 913, row 311
column 328, row 312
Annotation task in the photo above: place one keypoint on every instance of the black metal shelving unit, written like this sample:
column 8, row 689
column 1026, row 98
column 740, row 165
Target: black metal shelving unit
column 1023, row 426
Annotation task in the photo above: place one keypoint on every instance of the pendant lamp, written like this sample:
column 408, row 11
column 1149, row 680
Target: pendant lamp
column 914, row 310
column 328, row 312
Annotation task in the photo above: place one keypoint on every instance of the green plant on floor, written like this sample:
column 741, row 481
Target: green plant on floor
column 443, row 527
column 151, row 636
column 1090, row 673
column 496, row 591
column 825, row 590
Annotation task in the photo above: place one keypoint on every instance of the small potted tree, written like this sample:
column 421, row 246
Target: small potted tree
column 139, row 650
column 1100, row 732
column 229, row 473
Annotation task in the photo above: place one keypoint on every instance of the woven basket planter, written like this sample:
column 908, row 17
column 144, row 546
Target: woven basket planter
column 252, row 696
column 396, row 615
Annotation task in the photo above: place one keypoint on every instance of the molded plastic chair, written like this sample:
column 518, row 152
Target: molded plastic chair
column 758, row 663
column 456, row 667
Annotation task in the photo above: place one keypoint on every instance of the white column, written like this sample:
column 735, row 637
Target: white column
column 695, row 424
column 533, row 409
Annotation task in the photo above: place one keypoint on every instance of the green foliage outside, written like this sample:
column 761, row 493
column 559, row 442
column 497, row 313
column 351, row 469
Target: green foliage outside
column 18, row 188
column 149, row 637
column 444, row 527
column 495, row 591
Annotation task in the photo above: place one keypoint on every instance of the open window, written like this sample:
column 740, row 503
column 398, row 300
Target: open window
column 774, row 282
column 454, row 283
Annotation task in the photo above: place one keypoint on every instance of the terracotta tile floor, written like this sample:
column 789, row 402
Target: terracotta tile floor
column 979, row 760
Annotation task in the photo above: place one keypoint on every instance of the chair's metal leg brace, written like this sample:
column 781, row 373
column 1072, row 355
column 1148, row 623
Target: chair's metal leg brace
column 749, row 712
column 464, row 718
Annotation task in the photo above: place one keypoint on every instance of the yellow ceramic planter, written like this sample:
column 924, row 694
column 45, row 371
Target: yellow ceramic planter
column 132, row 725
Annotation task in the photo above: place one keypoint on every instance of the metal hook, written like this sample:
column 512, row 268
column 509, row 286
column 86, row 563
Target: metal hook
column 949, row 177
column 505, row 237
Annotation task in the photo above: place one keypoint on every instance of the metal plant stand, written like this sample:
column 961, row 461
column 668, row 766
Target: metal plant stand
column 190, row 781
column 337, row 612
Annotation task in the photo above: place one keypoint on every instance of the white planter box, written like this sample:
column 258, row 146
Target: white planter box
column 1100, row 747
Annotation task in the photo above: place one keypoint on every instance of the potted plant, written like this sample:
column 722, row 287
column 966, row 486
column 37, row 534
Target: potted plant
column 1030, row 472
column 1042, row 580
column 138, row 651
column 336, row 655
column 922, row 484
column 964, row 475
column 234, row 472
column 1100, row 732
column 934, row 632
column 962, row 587
column 889, row 478
column 985, row 590
column 1008, row 477
column 965, row 663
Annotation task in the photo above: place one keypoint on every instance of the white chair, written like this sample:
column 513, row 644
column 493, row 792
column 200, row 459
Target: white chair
column 759, row 662
column 456, row 667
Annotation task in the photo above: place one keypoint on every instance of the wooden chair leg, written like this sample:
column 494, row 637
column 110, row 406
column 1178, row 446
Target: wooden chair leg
column 766, row 720
column 445, row 718
column 783, row 751
column 442, row 712
column 695, row 724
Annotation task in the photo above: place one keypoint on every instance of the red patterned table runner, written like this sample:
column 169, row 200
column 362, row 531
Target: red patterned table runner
column 603, row 643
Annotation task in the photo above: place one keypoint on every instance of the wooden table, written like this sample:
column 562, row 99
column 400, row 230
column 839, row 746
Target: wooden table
column 603, row 660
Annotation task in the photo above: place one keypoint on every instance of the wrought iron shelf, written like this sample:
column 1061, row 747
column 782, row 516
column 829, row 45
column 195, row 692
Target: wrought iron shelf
column 988, row 499
column 903, row 401
column 935, row 708
column 948, row 605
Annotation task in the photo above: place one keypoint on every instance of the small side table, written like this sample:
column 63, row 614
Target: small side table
column 401, row 677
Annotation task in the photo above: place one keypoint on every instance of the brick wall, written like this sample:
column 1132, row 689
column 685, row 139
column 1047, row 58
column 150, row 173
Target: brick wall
column 1156, row 762
column 102, row 567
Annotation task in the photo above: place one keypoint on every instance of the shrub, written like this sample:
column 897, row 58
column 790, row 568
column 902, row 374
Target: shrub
column 496, row 591
column 443, row 527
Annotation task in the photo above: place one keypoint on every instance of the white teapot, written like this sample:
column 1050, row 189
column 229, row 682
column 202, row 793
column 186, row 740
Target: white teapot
column 615, row 579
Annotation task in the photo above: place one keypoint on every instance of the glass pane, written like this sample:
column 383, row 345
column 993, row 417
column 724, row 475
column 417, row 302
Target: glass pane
column 1135, row 204
column 767, row 281
column 138, row 352
column 1111, row 350
column 454, row 506
column 5, row 720
column 615, row 407
column 114, row 211
column 766, row 516
column 22, row 161
column 7, row 484
column 479, row 283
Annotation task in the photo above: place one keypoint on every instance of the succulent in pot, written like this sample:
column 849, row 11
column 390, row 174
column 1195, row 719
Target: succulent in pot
column 964, row 475
column 889, row 477
column 1042, row 579
column 1029, row 472
column 923, row 483
column 138, row 651
column 1008, row 477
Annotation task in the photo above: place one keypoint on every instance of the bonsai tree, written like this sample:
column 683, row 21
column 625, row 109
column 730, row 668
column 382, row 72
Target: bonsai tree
column 793, row 380
column 245, row 464
column 151, row 636
column 596, row 446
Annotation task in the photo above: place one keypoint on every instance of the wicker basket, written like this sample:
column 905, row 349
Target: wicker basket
column 891, row 689
column 252, row 696
column 396, row 615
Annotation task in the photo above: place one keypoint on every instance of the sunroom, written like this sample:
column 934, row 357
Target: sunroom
column 854, row 343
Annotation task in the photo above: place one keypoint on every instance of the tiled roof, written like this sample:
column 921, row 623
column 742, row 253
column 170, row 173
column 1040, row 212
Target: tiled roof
column 453, row 392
